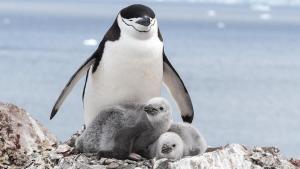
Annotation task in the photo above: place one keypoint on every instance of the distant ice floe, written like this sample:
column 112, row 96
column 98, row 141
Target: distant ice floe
column 211, row 13
column 221, row 25
column 229, row 2
column 6, row 21
column 265, row 16
column 233, row 2
column 264, row 10
column 261, row 7
column 90, row 42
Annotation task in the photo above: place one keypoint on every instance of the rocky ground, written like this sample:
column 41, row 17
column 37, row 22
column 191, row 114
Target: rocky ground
column 24, row 143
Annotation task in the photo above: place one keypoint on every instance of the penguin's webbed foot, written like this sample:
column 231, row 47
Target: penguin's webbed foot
column 135, row 157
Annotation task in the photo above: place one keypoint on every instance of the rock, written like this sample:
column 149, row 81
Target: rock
column 21, row 136
column 108, row 161
column 295, row 162
column 24, row 143
column 72, row 139
column 64, row 149
column 112, row 165
column 232, row 156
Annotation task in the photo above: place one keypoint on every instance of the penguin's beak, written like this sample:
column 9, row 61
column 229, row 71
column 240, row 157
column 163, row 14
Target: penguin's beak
column 150, row 110
column 166, row 149
column 145, row 21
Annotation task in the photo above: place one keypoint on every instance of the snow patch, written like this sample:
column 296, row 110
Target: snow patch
column 221, row 25
column 6, row 21
column 90, row 42
column 235, row 2
column 265, row 16
column 261, row 7
column 211, row 13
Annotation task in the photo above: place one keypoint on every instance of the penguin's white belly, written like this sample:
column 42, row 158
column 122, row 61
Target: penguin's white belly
column 126, row 73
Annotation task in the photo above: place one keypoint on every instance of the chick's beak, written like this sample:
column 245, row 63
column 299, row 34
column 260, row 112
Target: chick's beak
column 150, row 110
column 166, row 149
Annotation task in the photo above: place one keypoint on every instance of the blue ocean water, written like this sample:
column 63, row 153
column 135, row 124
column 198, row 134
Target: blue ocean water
column 240, row 64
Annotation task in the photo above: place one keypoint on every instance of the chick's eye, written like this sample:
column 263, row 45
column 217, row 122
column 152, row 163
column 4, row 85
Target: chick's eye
column 173, row 145
column 130, row 20
column 161, row 108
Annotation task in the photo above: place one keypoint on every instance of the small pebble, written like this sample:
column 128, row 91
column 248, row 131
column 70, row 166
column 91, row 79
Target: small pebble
column 63, row 148
column 102, row 160
column 108, row 161
column 120, row 162
column 147, row 163
column 112, row 165
column 128, row 166
column 130, row 162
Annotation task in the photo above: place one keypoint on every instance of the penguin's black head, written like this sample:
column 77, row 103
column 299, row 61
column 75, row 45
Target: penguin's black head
column 136, row 11
column 137, row 18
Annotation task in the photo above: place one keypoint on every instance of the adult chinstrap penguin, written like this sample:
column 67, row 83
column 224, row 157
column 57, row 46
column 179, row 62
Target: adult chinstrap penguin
column 129, row 65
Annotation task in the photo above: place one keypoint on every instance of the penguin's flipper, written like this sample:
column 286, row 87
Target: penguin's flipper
column 177, row 89
column 73, row 80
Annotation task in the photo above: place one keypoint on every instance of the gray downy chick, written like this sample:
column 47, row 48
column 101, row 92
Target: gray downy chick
column 169, row 145
column 160, row 117
column 113, row 132
column 194, row 142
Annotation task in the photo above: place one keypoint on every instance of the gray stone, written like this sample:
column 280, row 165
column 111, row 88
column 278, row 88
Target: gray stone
column 21, row 137
column 112, row 165
column 232, row 156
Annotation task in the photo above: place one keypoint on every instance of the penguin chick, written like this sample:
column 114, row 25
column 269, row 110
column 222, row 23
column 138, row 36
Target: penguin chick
column 160, row 117
column 113, row 132
column 169, row 145
column 194, row 142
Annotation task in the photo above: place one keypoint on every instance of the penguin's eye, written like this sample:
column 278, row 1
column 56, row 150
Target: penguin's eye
column 161, row 108
column 173, row 145
column 130, row 19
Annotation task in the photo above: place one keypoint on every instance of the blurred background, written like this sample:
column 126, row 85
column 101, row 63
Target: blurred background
column 238, row 58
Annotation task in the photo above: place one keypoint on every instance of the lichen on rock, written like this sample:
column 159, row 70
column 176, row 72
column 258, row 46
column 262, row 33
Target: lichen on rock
column 20, row 136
